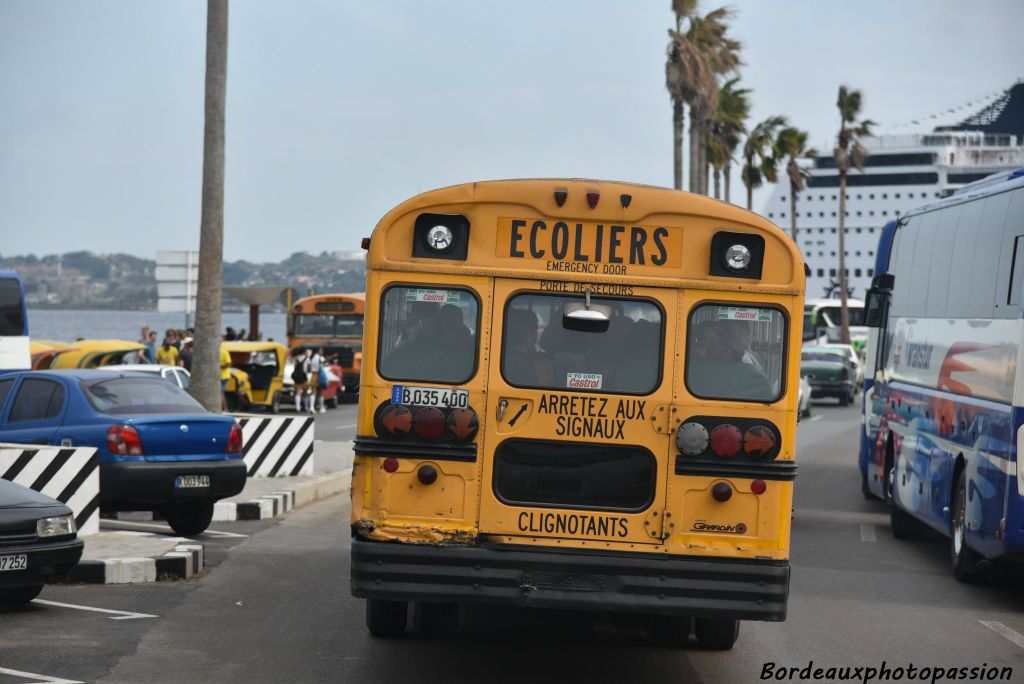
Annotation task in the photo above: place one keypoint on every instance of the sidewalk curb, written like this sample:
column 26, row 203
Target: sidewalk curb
column 280, row 502
column 183, row 562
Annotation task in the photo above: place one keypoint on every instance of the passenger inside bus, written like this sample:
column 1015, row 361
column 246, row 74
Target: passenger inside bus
column 525, row 364
column 436, row 345
column 716, row 365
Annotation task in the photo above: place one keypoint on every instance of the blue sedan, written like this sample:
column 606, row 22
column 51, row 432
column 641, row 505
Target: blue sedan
column 159, row 450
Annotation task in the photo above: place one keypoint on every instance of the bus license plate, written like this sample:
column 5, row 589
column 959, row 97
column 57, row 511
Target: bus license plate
column 191, row 481
column 441, row 397
column 19, row 562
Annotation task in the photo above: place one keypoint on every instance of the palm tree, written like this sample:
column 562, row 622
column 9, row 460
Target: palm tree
column 681, row 70
column 760, row 156
column 848, row 150
column 727, row 128
column 722, row 54
column 205, row 385
column 792, row 143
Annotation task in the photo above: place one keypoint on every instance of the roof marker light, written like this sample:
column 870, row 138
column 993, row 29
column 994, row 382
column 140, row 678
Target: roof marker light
column 625, row 199
column 561, row 194
column 365, row 244
column 592, row 197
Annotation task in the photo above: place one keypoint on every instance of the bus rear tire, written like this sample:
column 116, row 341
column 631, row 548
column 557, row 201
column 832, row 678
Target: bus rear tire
column 963, row 558
column 716, row 634
column 386, row 619
column 436, row 619
column 670, row 631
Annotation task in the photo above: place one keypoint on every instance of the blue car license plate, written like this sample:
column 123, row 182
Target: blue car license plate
column 191, row 481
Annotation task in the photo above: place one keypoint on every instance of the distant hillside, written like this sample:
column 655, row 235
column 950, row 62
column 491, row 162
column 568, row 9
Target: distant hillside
column 83, row 280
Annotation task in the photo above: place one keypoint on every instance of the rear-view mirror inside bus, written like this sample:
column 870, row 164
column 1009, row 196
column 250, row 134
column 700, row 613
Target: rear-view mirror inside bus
column 592, row 318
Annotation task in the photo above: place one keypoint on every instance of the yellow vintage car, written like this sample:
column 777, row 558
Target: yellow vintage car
column 257, row 375
column 45, row 351
column 96, row 353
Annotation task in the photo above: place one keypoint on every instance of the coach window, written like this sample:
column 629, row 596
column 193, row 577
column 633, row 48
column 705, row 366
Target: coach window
column 943, row 237
column 735, row 352
column 1014, row 227
column 37, row 399
column 540, row 351
column 428, row 334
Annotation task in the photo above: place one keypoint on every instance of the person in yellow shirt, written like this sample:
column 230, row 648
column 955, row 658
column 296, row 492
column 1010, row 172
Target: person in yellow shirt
column 168, row 354
column 225, row 375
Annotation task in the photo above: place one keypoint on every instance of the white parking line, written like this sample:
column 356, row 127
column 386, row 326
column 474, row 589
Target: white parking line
column 867, row 533
column 344, row 427
column 1005, row 632
column 814, row 418
column 121, row 614
column 37, row 678
column 130, row 525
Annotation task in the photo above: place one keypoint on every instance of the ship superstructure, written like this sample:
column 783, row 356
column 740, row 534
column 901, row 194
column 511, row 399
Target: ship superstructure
column 902, row 172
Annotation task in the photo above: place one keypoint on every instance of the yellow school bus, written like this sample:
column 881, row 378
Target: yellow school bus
column 577, row 394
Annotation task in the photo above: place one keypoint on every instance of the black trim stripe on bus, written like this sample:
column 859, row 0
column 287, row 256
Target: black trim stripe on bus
column 372, row 446
column 774, row 470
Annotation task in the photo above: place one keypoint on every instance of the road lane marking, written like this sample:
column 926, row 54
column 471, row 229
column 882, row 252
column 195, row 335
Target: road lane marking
column 1005, row 632
column 814, row 418
column 130, row 525
column 344, row 427
column 121, row 614
column 867, row 533
column 37, row 678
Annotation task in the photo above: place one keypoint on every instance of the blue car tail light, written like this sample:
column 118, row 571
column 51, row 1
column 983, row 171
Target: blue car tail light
column 235, row 439
column 125, row 440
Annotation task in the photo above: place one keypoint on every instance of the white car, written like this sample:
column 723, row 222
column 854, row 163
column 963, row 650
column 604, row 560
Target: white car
column 804, row 399
column 175, row 374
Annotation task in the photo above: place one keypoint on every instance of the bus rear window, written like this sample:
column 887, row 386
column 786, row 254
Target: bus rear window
column 735, row 352
column 428, row 334
column 540, row 352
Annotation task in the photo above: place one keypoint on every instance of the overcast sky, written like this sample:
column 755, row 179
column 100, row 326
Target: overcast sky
column 338, row 110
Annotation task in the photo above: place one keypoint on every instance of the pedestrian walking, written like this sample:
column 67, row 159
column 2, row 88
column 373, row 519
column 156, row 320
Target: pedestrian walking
column 300, row 377
column 317, row 380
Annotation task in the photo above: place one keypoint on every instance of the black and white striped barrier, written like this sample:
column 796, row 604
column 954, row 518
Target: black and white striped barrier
column 183, row 562
column 277, row 447
column 70, row 475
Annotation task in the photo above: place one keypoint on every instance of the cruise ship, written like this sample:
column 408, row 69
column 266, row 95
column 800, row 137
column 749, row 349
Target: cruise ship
column 903, row 171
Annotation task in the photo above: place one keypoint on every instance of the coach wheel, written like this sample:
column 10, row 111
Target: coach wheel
column 672, row 631
column 386, row 618
column 436, row 619
column 904, row 525
column 964, row 559
column 715, row 634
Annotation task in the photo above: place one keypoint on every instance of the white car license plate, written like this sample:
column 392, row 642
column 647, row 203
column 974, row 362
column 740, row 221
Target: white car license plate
column 442, row 397
column 19, row 562
column 191, row 481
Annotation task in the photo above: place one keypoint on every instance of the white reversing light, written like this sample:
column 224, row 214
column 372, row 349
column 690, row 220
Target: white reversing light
column 439, row 238
column 737, row 258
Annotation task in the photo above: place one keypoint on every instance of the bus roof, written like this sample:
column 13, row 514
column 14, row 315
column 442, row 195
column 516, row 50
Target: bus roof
column 993, row 185
column 585, row 230
column 10, row 274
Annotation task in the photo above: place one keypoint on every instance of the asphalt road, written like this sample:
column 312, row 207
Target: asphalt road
column 275, row 607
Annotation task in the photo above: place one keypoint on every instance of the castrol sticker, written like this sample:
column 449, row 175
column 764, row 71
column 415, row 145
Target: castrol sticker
column 438, row 296
column 583, row 380
column 739, row 313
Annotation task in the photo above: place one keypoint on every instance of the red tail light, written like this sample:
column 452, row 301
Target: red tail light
column 394, row 421
column 463, row 423
column 429, row 424
column 235, row 440
column 124, row 440
column 726, row 440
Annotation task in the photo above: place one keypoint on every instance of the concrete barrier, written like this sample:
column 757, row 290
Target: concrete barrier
column 71, row 475
column 281, row 446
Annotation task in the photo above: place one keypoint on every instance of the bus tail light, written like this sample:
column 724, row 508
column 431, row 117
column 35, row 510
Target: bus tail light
column 759, row 442
column 758, row 486
column 726, row 440
column 124, row 440
column 463, row 423
column 394, row 421
column 692, row 439
column 390, row 464
column 430, row 423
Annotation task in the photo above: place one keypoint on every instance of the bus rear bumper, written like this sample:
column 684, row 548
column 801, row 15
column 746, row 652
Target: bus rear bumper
column 516, row 576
